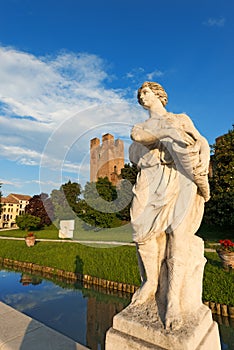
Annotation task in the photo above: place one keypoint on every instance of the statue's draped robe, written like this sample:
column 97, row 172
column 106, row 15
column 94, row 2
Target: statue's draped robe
column 165, row 194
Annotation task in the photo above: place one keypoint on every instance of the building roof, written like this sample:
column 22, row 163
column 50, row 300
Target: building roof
column 11, row 200
column 20, row 197
column 14, row 198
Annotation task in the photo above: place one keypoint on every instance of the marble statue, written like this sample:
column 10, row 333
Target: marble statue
column 167, row 312
column 169, row 195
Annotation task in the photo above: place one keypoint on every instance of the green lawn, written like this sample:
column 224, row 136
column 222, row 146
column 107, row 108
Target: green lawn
column 49, row 232
column 116, row 264
column 119, row 234
column 210, row 234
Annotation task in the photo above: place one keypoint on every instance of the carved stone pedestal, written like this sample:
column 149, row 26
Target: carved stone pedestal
column 140, row 328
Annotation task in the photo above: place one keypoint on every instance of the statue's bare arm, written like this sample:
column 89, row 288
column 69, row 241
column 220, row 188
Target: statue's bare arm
column 142, row 134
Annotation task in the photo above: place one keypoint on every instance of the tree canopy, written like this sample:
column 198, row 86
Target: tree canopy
column 220, row 208
column 28, row 222
column 65, row 201
column 41, row 207
column 97, row 207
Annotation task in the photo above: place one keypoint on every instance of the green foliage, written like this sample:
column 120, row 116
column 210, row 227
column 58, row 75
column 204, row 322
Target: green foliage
column 97, row 208
column 65, row 201
column 41, row 207
column 72, row 191
column 129, row 172
column 125, row 200
column 129, row 175
column 214, row 233
column 28, row 222
column 220, row 209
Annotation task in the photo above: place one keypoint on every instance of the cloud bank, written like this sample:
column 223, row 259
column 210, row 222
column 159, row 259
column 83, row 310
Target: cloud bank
column 50, row 108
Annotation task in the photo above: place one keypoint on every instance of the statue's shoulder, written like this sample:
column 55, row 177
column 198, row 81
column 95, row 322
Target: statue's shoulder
column 183, row 120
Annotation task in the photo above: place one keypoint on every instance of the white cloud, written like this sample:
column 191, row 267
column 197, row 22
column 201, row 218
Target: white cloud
column 49, row 89
column 140, row 74
column 154, row 74
column 6, row 182
column 215, row 22
column 50, row 108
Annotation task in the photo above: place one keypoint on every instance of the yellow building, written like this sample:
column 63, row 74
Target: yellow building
column 12, row 206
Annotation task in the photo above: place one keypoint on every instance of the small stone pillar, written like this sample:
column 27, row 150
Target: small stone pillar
column 66, row 228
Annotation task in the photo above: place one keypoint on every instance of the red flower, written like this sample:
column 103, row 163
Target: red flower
column 30, row 234
column 226, row 243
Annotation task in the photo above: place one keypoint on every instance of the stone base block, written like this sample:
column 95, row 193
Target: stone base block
column 137, row 328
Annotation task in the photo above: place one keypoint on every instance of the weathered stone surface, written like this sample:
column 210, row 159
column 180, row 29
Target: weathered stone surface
column 20, row 332
column 106, row 159
column 167, row 209
column 142, row 325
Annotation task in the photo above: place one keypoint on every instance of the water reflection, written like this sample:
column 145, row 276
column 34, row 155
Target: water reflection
column 226, row 328
column 27, row 279
column 83, row 314
column 80, row 313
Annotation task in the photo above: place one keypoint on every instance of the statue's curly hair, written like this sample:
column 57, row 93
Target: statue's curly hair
column 157, row 89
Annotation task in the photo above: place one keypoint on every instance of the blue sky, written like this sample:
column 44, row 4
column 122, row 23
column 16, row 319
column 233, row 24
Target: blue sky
column 70, row 69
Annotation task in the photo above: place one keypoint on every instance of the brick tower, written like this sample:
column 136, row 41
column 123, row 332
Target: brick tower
column 106, row 159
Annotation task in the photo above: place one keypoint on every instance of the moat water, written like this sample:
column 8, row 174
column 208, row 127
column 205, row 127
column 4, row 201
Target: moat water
column 77, row 312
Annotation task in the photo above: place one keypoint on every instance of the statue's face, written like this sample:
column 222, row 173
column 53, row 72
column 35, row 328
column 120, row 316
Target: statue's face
column 147, row 97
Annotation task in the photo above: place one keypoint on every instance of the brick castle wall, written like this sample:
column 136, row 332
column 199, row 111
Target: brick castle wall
column 106, row 159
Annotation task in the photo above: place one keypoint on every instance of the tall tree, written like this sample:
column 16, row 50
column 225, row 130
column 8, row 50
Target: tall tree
column 220, row 208
column 129, row 175
column 129, row 172
column 65, row 201
column 72, row 191
column 97, row 208
column 41, row 207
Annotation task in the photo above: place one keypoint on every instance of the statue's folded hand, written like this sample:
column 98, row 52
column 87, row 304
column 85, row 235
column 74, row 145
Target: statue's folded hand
column 139, row 134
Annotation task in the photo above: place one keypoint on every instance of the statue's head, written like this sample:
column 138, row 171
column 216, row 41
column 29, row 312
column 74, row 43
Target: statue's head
column 157, row 89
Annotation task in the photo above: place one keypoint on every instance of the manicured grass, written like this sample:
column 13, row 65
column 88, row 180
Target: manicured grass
column 118, row 234
column 115, row 264
column 210, row 234
column 50, row 232
column 218, row 284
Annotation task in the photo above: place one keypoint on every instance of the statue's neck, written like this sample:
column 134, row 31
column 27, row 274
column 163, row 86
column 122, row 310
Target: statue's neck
column 157, row 111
